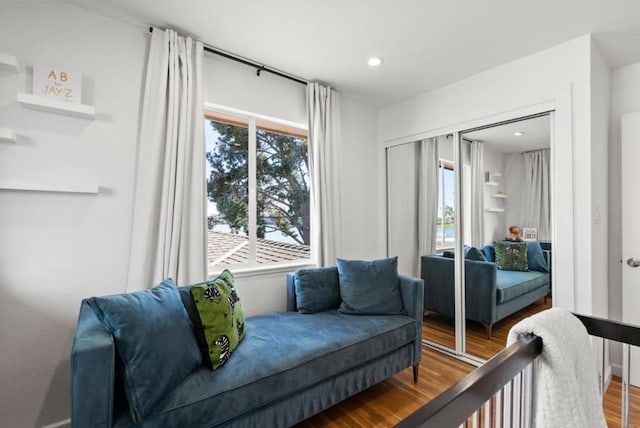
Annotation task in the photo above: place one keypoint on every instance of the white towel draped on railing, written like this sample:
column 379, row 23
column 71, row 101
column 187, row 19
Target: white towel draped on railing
column 565, row 381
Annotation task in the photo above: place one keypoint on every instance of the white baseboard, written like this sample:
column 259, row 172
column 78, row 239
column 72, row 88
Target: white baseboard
column 607, row 376
column 59, row 424
column 616, row 369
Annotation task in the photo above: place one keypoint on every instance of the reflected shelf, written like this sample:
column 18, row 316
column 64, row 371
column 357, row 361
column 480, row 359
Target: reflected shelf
column 494, row 210
column 499, row 196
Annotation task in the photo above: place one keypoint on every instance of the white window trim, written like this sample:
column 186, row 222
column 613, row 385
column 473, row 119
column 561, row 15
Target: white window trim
column 253, row 268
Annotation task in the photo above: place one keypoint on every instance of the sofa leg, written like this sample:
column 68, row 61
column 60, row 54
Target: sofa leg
column 416, row 372
column 488, row 329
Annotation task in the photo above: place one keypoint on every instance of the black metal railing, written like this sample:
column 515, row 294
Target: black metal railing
column 500, row 391
column 455, row 405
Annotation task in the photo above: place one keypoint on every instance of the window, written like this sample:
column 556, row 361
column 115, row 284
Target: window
column 445, row 229
column 257, row 190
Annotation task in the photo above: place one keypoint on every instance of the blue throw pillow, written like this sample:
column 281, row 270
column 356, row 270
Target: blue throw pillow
column 370, row 287
column 316, row 290
column 155, row 342
column 472, row 253
column 449, row 254
column 535, row 257
column 489, row 253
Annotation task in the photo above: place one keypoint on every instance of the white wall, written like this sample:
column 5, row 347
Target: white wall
column 59, row 248
column 559, row 76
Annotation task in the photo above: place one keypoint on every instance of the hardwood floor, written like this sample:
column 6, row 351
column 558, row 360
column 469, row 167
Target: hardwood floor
column 387, row 403
column 440, row 329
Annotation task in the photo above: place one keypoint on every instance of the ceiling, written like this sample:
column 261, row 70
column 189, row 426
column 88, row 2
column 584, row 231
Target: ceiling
column 536, row 135
column 425, row 44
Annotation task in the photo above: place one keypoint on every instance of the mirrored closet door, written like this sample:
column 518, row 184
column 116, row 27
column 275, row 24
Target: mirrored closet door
column 470, row 214
column 507, row 232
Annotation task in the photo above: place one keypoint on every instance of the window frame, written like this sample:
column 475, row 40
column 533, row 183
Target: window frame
column 255, row 122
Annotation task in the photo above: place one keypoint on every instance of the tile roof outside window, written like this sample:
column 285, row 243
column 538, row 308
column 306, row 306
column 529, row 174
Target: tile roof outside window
column 226, row 249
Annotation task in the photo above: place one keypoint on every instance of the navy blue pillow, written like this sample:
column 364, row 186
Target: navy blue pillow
column 155, row 342
column 370, row 287
column 535, row 257
column 472, row 253
column 489, row 253
column 316, row 290
column 449, row 254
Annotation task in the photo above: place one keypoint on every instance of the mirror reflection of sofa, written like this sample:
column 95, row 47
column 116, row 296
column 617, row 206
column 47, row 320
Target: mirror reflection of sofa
column 491, row 293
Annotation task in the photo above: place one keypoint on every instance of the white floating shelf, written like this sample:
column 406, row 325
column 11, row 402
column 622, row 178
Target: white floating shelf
column 490, row 183
column 497, row 196
column 496, row 174
column 494, row 210
column 45, row 186
column 9, row 63
column 8, row 135
column 54, row 106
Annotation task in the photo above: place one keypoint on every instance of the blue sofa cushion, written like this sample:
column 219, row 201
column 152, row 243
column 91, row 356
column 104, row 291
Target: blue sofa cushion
column 489, row 253
column 449, row 254
column 317, row 289
column 512, row 284
column 535, row 257
column 472, row 253
column 370, row 287
column 511, row 256
column 155, row 342
column 298, row 351
column 220, row 319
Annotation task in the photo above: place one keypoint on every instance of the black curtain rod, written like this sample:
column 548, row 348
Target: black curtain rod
column 259, row 67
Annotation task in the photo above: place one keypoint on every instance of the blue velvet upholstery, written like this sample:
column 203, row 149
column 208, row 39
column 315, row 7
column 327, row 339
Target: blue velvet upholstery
column 483, row 284
column 153, row 334
column 489, row 253
column 472, row 253
column 317, row 290
column 369, row 287
column 536, row 258
column 326, row 344
column 289, row 366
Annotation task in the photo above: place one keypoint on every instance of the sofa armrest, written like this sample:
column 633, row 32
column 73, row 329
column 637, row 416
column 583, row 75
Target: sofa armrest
column 412, row 292
column 92, row 372
column 438, row 274
column 480, row 291
column 291, row 293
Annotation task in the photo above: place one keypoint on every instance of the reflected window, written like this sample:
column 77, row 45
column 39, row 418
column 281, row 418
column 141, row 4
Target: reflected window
column 445, row 228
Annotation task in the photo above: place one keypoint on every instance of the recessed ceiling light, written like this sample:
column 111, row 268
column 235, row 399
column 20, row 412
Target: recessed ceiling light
column 374, row 61
column 518, row 133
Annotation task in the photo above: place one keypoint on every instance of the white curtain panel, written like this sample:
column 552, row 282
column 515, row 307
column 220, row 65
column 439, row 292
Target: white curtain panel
column 477, row 194
column 427, row 196
column 538, row 207
column 323, row 114
column 169, row 219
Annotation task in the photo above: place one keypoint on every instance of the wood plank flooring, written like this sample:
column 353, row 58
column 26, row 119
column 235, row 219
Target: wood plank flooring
column 387, row 403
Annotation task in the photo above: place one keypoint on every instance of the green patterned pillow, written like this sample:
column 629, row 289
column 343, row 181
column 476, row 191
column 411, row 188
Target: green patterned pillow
column 511, row 256
column 221, row 317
